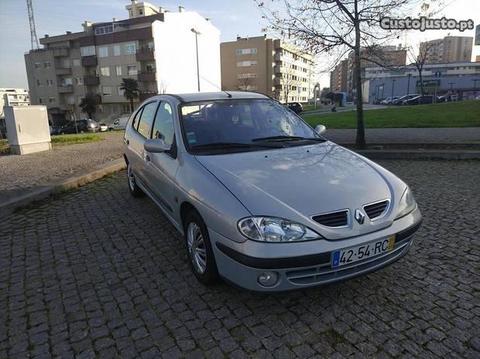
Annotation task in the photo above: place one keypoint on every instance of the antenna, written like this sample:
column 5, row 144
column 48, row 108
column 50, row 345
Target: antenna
column 33, row 33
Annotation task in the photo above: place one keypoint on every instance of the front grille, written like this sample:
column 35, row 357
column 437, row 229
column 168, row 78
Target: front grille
column 375, row 210
column 334, row 219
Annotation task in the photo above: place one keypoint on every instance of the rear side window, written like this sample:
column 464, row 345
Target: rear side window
column 146, row 119
column 136, row 118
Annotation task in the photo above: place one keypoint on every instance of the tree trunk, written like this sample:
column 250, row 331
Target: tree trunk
column 420, row 76
column 360, row 140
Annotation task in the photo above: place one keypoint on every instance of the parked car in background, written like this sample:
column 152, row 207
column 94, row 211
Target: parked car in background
column 419, row 100
column 103, row 127
column 399, row 101
column 389, row 100
column 261, row 198
column 84, row 125
column 295, row 107
column 119, row 123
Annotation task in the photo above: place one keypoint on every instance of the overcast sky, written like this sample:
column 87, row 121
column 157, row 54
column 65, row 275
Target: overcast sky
column 234, row 17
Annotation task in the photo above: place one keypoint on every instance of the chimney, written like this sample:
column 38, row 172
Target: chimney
column 161, row 10
column 181, row 8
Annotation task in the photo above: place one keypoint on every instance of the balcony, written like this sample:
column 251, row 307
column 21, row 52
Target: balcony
column 145, row 54
column 277, row 57
column 91, row 80
column 88, row 61
column 65, row 89
column 148, row 76
column 63, row 71
column 60, row 51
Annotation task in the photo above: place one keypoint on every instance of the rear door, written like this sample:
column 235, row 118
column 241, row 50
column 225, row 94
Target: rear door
column 137, row 135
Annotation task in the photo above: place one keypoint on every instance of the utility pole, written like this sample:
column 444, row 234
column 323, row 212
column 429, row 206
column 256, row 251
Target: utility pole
column 196, row 51
column 33, row 32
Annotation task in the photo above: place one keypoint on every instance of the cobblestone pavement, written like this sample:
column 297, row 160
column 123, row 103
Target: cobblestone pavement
column 36, row 170
column 96, row 273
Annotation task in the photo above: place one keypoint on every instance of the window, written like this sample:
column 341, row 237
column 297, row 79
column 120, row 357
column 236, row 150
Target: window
column 132, row 70
column 102, row 30
column 103, row 51
column 105, row 71
column 107, row 90
column 130, row 48
column 76, row 62
column 79, row 81
column 37, row 65
column 51, row 99
column 87, row 51
column 49, row 82
column 118, row 70
column 39, row 83
column 117, row 50
column 163, row 126
column 121, row 92
column 247, row 76
column 251, row 51
column 47, row 64
column 246, row 63
column 146, row 119
column 67, row 81
column 40, row 100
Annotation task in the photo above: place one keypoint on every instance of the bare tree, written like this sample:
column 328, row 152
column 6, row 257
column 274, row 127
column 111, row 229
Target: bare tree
column 418, row 60
column 245, row 83
column 336, row 27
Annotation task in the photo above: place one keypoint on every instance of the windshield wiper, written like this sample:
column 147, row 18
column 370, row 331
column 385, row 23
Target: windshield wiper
column 288, row 138
column 227, row 145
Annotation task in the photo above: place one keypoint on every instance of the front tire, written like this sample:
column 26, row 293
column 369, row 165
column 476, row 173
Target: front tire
column 135, row 191
column 199, row 249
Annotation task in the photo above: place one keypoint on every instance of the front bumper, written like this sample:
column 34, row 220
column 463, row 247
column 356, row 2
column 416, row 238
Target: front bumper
column 242, row 263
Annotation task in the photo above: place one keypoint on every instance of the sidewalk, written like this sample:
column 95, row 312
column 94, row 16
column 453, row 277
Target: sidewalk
column 20, row 175
column 417, row 136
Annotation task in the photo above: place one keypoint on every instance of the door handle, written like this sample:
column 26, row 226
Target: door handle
column 147, row 157
column 127, row 142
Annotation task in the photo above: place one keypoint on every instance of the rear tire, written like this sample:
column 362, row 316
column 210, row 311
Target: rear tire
column 135, row 191
column 199, row 249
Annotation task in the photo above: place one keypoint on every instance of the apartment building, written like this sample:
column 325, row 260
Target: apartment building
column 11, row 97
column 449, row 49
column 269, row 66
column 97, row 59
column 338, row 77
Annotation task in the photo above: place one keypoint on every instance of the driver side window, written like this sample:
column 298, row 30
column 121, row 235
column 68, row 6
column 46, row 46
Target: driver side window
column 163, row 125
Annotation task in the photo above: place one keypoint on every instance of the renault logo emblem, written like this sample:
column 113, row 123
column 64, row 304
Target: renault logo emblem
column 359, row 216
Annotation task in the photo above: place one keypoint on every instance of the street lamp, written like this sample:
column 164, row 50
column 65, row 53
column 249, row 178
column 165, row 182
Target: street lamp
column 196, row 52
column 408, row 84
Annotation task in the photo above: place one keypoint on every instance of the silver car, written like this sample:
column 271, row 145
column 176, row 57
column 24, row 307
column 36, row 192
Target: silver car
column 262, row 199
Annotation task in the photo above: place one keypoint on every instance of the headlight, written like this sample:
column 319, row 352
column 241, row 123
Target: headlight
column 271, row 229
column 407, row 203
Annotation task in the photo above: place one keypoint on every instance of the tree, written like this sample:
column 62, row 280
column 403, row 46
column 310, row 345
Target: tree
column 419, row 60
column 130, row 90
column 89, row 103
column 336, row 27
column 245, row 83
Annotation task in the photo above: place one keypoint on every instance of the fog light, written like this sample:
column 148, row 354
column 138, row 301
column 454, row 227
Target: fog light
column 268, row 279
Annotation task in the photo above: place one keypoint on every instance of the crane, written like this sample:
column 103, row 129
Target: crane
column 33, row 33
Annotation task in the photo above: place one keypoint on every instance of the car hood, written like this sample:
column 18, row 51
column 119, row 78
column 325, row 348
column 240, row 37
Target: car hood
column 302, row 181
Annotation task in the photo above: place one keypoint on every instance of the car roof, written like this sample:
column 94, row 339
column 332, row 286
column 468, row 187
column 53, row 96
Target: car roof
column 211, row 96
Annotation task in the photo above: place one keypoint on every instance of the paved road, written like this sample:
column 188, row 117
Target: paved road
column 94, row 272
column 417, row 136
column 19, row 174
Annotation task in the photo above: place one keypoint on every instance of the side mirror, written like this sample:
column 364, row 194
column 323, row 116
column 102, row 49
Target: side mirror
column 320, row 129
column 156, row 146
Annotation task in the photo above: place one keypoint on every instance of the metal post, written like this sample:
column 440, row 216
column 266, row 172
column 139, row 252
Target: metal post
column 393, row 88
column 408, row 84
column 196, row 51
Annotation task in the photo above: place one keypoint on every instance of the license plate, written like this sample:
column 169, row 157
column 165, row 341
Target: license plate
column 350, row 255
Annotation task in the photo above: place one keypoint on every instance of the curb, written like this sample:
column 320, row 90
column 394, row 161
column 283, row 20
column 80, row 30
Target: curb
column 66, row 184
column 420, row 155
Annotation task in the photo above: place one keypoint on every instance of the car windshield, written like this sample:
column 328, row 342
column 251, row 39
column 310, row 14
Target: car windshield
column 242, row 125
